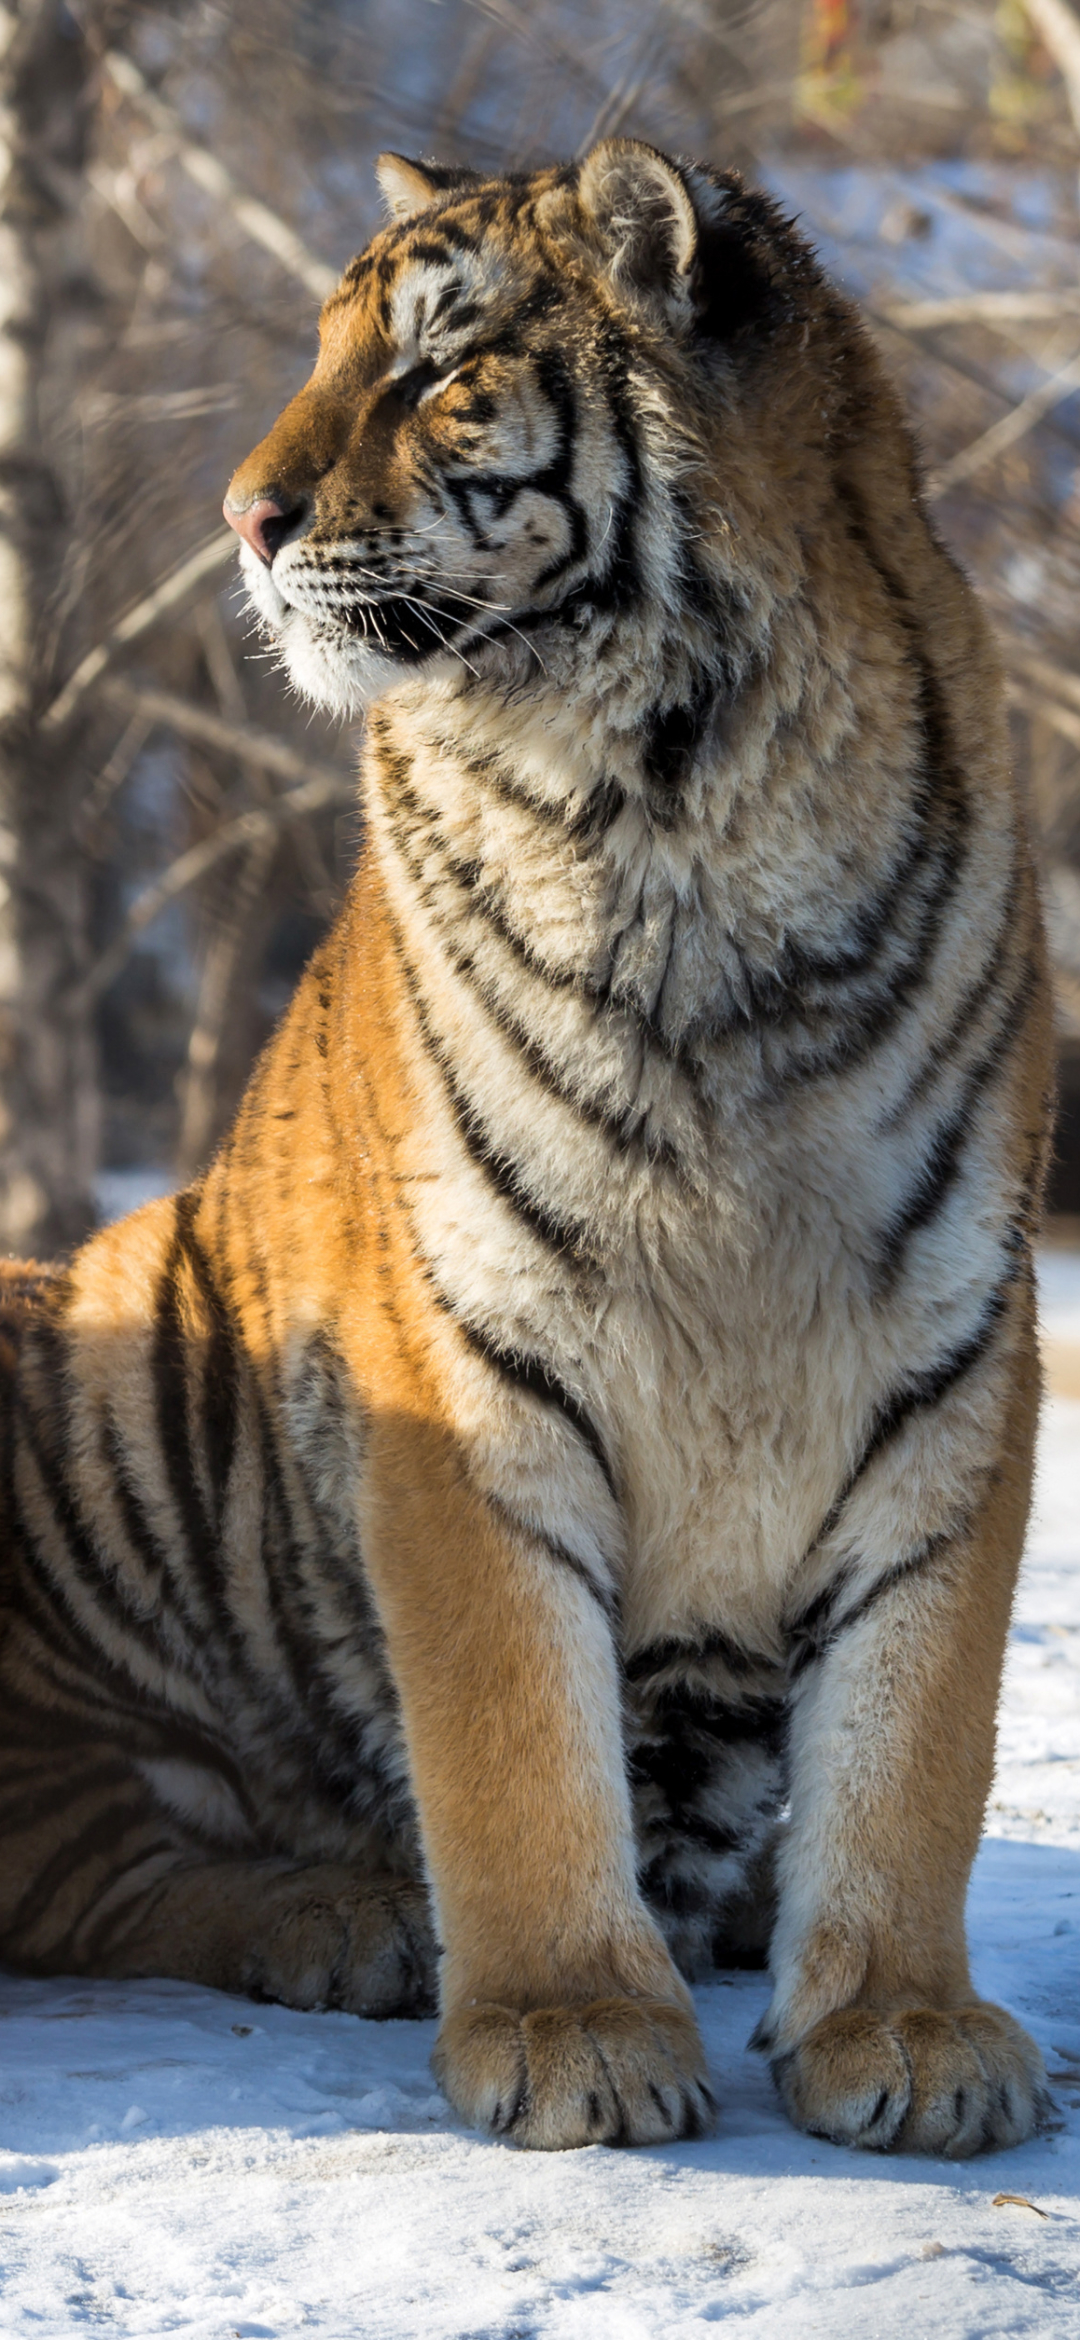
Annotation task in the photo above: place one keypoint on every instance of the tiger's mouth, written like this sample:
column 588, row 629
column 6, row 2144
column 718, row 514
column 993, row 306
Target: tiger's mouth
column 405, row 622
column 341, row 649
column 409, row 627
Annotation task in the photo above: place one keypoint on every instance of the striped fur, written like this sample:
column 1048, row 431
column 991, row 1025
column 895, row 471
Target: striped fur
column 542, row 1511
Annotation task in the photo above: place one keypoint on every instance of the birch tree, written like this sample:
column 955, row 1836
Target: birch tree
column 47, row 1087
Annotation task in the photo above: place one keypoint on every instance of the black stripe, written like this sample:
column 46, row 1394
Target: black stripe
column 926, row 877
column 451, row 231
column 538, row 1379
column 626, row 1128
column 918, row 1394
column 45, row 1605
column 99, row 1938
column 97, row 1836
column 820, row 1626
column 617, row 583
column 397, row 770
column 690, row 1727
column 926, row 1390
column 302, row 1661
column 221, row 1371
column 201, row 1536
column 104, row 1585
column 109, row 1705
column 428, row 248
column 600, row 809
column 941, row 1165
column 552, row 479
column 556, row 1551
column 35, row 1805
column 672, row 738
column 169, row 1583
column 972, row 1000
column 661, row 1655
column 169, row 1367
column 339, row 1764
column 565, row 1237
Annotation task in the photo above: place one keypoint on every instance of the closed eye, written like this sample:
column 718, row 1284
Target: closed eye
column 420, row 382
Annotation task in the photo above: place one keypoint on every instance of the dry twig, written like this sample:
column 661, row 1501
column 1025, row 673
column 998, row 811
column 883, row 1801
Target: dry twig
column 985, row 308
column 1012, row 426
column 224, row 953
column 213, row 554
column 257, row 220
column 234, row 739
column 1059, row 32
column 1046, row 674
column 245, row 829
column 1060, row 719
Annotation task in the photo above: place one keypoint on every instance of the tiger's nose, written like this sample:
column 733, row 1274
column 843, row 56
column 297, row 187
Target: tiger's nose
column 265, row 524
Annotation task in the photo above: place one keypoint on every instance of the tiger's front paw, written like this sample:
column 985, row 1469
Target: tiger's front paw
column 919, row 2081
column 616, row 2072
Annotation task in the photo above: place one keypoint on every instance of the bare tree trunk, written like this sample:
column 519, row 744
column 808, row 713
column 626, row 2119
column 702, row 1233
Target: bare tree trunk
column 48, row 1090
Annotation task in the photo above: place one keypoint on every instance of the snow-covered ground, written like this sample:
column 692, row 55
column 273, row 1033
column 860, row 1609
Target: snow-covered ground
column 174, row 2161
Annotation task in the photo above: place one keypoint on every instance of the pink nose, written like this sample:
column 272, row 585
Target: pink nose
column 260, row 525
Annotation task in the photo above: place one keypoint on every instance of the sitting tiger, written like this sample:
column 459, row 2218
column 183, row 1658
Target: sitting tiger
column 539, row 1516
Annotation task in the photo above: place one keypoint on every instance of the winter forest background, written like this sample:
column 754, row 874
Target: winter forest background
column 179, row 185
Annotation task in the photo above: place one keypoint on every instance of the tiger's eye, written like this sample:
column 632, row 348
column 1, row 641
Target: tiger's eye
column 410, row 387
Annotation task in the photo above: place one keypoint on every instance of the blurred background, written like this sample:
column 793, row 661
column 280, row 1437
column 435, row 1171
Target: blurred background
column 179, row 185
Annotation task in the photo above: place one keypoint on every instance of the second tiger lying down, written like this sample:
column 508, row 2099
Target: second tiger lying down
column 541, row 1513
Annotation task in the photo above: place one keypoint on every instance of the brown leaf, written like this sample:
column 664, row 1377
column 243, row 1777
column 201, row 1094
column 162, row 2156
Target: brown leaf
column 1018, row 2202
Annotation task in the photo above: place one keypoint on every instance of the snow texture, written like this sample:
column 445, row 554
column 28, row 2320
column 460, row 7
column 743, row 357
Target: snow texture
column 172, row 2161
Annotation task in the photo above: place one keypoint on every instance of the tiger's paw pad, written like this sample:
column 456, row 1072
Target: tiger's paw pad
column 616, row 2072
column 919, row 2081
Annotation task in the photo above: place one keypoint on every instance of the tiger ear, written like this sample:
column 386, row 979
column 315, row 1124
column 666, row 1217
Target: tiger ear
column 639, row 204
column 409, row 187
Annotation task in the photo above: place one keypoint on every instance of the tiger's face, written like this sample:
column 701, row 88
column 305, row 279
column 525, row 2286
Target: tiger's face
column 462, row 463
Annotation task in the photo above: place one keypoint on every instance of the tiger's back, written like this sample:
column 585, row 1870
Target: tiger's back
column 587, row 1405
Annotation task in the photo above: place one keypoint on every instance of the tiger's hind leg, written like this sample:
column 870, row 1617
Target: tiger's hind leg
column 99, row 1880
column 310, row 1934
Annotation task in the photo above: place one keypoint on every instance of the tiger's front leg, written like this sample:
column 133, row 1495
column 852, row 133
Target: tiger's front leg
column 564, row 2021
column 875, row 2034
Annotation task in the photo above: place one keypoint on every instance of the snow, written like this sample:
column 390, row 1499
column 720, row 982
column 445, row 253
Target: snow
column 173, row 2161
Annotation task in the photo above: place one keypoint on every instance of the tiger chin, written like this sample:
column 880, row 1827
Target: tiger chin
column 539, row 1515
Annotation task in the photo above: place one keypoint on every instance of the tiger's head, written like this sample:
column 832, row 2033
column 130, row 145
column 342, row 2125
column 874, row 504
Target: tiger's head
column 505, row 411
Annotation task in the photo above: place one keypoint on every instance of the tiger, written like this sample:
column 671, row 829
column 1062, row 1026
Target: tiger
column 536, row 1520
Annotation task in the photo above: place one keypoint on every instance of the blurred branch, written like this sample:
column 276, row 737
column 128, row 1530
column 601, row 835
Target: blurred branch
column 1005, row 433
column 117, row 189
column 619, row 102
column 112, row 776
column 256, row 219
column 219, row 661
column 234, row 739
column 989, row 308
column 1059, row 31
column 323, row 788
column 221, row 965
column 255, row 750
column 218, row 548
column 1060, row 719
column 1046, row 674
